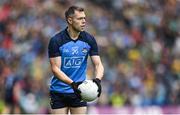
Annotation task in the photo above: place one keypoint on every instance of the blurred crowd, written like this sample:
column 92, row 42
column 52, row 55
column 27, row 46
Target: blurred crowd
column 139, row 43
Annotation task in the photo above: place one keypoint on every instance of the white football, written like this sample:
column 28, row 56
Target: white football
column 89, row 90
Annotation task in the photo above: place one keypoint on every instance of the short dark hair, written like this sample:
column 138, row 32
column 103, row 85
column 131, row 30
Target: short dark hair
column 71, row 11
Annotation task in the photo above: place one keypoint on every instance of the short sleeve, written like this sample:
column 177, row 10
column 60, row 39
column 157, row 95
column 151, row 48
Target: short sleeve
column 53, row 48
column 94, row 47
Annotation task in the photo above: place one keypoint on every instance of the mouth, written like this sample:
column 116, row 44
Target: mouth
column 82, row 26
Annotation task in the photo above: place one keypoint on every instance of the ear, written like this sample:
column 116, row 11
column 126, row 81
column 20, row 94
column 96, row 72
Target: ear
column 69, row 20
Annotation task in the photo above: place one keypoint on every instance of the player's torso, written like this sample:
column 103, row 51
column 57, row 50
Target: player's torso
column 74, row 54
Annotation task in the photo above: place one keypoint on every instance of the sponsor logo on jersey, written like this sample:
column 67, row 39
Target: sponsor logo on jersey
column 73, row 62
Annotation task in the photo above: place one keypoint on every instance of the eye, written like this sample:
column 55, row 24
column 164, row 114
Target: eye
column 81, row 18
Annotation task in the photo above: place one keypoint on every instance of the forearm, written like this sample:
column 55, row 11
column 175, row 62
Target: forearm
column 99, row 71
column 61, row 75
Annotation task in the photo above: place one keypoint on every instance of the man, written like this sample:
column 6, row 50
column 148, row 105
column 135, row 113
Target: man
column 68, row 53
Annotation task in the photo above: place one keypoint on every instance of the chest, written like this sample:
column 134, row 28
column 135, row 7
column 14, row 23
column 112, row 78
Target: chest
column 75, row 49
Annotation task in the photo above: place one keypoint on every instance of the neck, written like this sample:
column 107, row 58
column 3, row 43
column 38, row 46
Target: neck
column 72, row 33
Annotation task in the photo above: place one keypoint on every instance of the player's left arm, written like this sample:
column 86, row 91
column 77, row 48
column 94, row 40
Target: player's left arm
column 99, row 69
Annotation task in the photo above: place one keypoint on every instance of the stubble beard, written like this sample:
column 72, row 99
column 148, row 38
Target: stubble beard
column 77, row 29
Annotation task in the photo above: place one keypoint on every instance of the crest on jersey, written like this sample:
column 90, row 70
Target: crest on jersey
column 84, row 50
column 75, row 50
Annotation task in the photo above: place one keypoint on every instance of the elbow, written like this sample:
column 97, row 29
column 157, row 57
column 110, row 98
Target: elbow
column 54, row 70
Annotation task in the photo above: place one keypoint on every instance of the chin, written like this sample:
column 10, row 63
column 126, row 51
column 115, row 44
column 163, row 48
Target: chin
column 82, row 29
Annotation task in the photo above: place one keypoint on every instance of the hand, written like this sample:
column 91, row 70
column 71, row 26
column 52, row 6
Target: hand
column 98, row 82
column 74, row 86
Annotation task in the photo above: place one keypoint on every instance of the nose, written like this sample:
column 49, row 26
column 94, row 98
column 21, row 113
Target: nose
column 83, row 21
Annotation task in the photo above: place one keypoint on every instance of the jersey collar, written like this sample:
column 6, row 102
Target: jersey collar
column 68, row 36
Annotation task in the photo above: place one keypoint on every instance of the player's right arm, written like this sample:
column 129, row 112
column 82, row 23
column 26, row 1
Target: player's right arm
column 55, row 64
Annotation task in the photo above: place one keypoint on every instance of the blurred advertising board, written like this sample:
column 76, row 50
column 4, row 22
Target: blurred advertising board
column 153, row 110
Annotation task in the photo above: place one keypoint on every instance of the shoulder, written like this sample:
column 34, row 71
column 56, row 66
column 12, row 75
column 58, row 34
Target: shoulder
column 58, row 37
column 87, row 36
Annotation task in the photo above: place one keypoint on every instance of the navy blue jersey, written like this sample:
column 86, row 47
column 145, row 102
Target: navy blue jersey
column 74, row 54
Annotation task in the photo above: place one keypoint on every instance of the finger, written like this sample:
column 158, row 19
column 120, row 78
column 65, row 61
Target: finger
column 98, row 94
column 78, row 83
column 78, row 91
